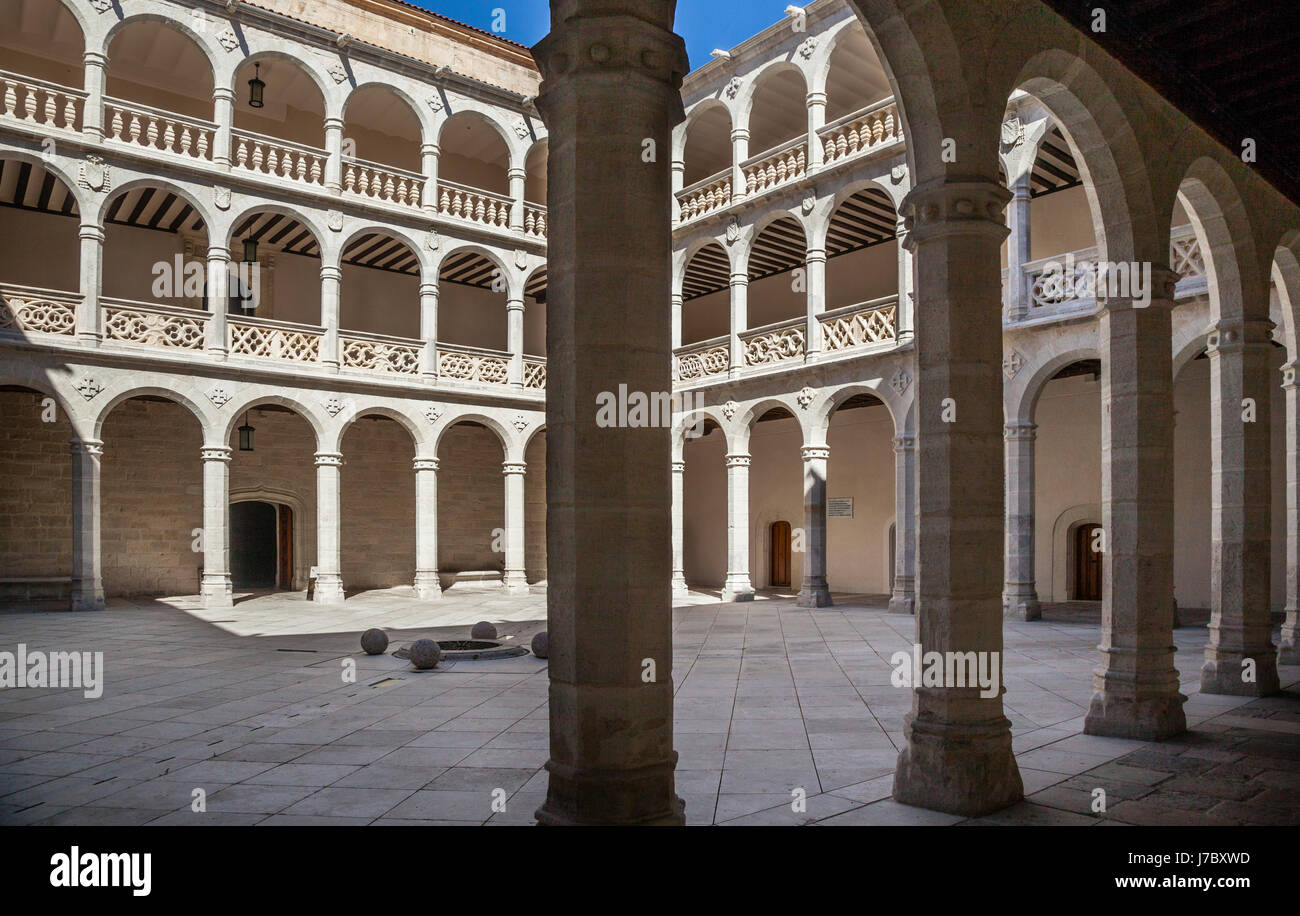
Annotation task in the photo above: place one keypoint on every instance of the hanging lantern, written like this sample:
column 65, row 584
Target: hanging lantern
column 250, row 250
column 255, row 88
column 245, row 436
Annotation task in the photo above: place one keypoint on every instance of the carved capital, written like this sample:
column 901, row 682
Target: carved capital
column 425, row 464
column 1023, row 430
column 329, row 460
column 513, row 467
column 941, row 208
column 815, row 452
column 215, row 453
column 589, row 43
column 737, row 461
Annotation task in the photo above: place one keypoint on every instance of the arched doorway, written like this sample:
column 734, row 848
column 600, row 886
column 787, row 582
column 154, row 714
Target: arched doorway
column 261, row 545
column 1086, row 549
column 779, row 564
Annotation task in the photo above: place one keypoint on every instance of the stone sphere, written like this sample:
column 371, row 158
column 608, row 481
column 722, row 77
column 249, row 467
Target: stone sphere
column 425, row 653
column 374, row 641
column 483, row 630
column 541, row 645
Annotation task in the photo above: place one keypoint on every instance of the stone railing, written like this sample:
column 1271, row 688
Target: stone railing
column 534, row 373
column 535, row 220
column 279, row 340
column 876, row 125
column 703, row 359
column 472, row 364
column 477, row 206
column 776, row 166
column 37, row 102
column 27, row 309
column 381, row 182
column 279, row 158
column 857, row 325
column 1187, row 260
column 157, row 130
column 774, row 343
column 152, row 325
column 382, row 354
column 713, row 193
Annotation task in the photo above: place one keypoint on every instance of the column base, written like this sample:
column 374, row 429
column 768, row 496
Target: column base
column 216, row 591
column 1021, row 607
column 966, row 769
column 902, row 603
column 814, row 596
column 1288, row 648
column 515, row 582
column 1142, row 718
column 680, row 590
column 626, row 798
column 1224, row 675
column 428, row 587
column 737, row 588
column 329, row 589
column 87, row 599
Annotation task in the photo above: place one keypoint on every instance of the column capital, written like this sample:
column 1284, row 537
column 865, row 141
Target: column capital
column 816, row 97
column 1238, row 333
column 429, row 289
column 679, row 467
column 218, row 253
column 215, row 453
column 430, row 149
column 815, row 255
column 515, row 304
column 94, row 59
column 223, row 94
column 1289, row 382
column 904, row 443
column 739, row 279
column 1160, row 293
column 330, row 272
column 515, row 172
column 943, row 207
column 91, row 232
column 598, row 41
column 815, row 452
column 738, row 461
column 86, row 447
column 740, row 133
column 1020, row 429
column 514, row 467
column 333, row 123
column 329, row 459
column 425, row 464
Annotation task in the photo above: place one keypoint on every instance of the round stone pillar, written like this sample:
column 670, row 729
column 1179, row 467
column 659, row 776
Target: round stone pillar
column 903, row 597
column 215, row 588
column 90, row 318
column 813, row 591
column 679, row 536
column 1019, row 595
column 427, row 585
column 1288, row 652
column 515, row 578
column 737, row 586
column 87, row 561
column 329, row 575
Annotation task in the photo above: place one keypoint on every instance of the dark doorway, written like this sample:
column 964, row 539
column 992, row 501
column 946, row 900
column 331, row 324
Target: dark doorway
column 1087, row 562
column 780, row 565
column 253, row 538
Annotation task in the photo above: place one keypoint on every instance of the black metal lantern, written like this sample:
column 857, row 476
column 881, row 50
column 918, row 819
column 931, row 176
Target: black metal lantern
column 245, row 436
column 255, row 88
column 250, row 250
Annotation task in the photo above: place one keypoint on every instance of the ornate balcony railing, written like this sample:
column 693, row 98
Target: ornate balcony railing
column 37, row 102
column 381, row 182
column 703, row 359
column 280, row 158
column 534, row 373
column 471, row 204
column 774, row 343
column 871, row 322
column 876, row 125
column 473, row 364
column 705, row 196
column 398, row 355
column 776, row 166
column 157, row 130
column 27, row 309
column 153, row 325
column 278, row 340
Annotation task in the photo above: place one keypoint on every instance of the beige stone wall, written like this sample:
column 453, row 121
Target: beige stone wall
column 378, row 505
column 471, row 499
column 35, row 489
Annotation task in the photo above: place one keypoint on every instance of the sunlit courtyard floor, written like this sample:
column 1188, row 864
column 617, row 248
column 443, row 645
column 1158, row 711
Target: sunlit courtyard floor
column 774, row 702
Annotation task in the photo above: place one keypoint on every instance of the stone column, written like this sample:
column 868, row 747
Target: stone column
column 427, row 586
column 334, row 154
column 215, row 588
column 905, row 311
column 739, row 153
column 903, row 599
column 429, row 153
column 223, row 114
column 816, row 102
column 676, row 301
column 737, row 586
column 1017, row 291
column 90, row 318
column 739, row 320
column 958, row 756
column 1019, row 597
column 516, row 177
column 1136, row 686
column 218, row 336
column 515, row 340
column 1288, row 652
column 679, row 178
column 1240, row 511
column 92, row 114
column 814, row 592
column 87, row 562
column 612, row 75
column 331, row 276
column 515, row 578
column 429, row 331
column 816, row 300
column 329, row 570
column 679, row 535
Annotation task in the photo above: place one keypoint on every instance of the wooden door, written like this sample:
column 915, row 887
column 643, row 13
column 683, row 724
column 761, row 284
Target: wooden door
column 780, row 562
column 284, row 543
column 1087, row 563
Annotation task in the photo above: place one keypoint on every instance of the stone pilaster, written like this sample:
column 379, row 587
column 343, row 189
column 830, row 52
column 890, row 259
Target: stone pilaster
column 429, row 155
column 223, row 113
column 95, row 68
column 739, row 153
column 815, row 277
column 904, row 312
column 218, row 336
column 676, row 302
column 429, row 331
column 1017, row 291
column 958, row 756
column 816, row 102
column 87, row 560
column 813, row 591
column 427, row 585
column 1240, row 658
column 1019, row 595
column 515, row 578
column 679, row 540
column 515, row 340
column 334, row 154
column 1136, row 686
column 516, row 178
column 1288, row 651
column 90, row 317
column 329, row 576
column 215, row 588
column 331, row 277
column 737, row 586
column 612, row 74
column 739, row 320
column 903, row 598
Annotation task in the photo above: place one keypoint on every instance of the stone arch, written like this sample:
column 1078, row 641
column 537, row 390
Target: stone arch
column 201, row 416
column 1286, row 277
column 251, row 402
column 738, row 432
column 37, row 380
column 236, row 218
column 682, row 259
column 496, row 426
column 483, row 251
column 1022, row 399
column 156, row 181
column 761, row 224
column 705, row 109
column 688, row 421
column 821, row 412
column 177, row 23
column 1188, row 343
column 759, row 81
column 1062, row 530
column 417, row 111
column 469, row 117
column 416, row 432
column 836, row 45
column 1223, row 229
column 83, row 198
column 346, row 239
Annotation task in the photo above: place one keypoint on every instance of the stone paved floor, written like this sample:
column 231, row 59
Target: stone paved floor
column 249, row 705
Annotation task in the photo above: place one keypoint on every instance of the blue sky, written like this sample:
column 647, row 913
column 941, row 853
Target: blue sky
column 705, row 24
